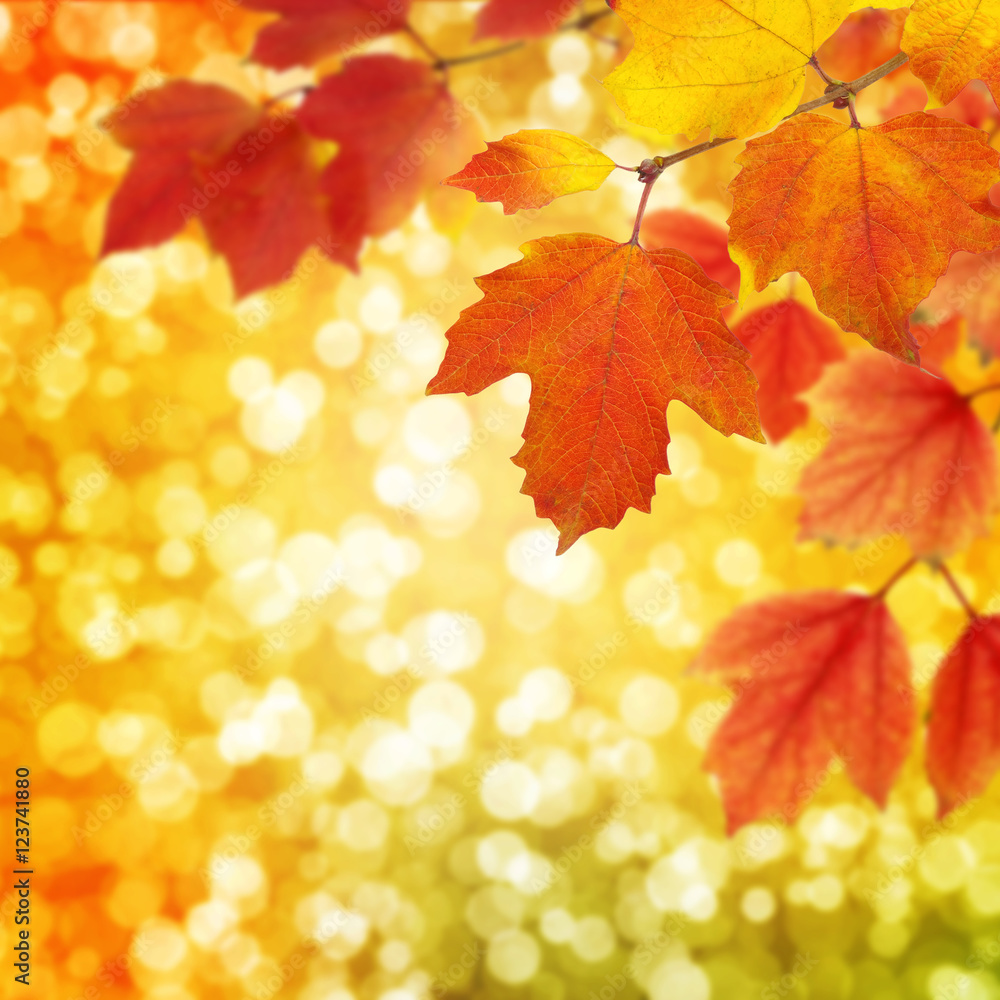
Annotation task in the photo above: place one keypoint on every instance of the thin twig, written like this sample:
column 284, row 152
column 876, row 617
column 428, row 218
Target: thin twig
column 957, row 591
column 845, row 91
column 891, row 582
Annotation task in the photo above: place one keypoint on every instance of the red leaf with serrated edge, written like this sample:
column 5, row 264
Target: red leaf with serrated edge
column 521, row 18
column 310, row 30
column 908, row 457
column 183, row 117
column 707, row 242
column 398, row 117
column 970, row 289
column 815, row 676
column 144, row 210
column 790, row 346
column 609, row 334
column 963, row 736
column 271, row 212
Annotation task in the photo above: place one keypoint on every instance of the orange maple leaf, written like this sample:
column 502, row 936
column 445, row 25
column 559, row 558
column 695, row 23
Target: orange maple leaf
column 909, row 457
column 963, row 735
column 790, row 346
column 609, row 334
column 816, row 678
column 869, row 216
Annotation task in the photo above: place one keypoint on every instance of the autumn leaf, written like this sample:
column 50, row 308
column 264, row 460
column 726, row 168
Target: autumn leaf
column 734, row 67
column 183, row 117
column 697, row 236
column 531, row 168
column 864, row 41
column 521, row 18
column 790, row 346
column 172, row 129
column 610, row 334
column 310, row 30
column 271, row 213
column 203, row 152
column 815, row 677
column 951, row 43
column 869, row 216
column 963, row 735
column 909, row 457
column 397, row 118
column 970, row 289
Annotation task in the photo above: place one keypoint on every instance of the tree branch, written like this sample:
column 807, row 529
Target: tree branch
column 848, row 89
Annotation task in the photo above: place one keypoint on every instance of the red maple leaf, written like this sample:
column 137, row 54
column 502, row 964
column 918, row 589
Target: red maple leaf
column 909, row 457
column 202, row 151
column 790, row 346
column 963, row 736
column 609, row 334
column 310, row 30
column 814, row 676
column 521, row 18
column 403, row 131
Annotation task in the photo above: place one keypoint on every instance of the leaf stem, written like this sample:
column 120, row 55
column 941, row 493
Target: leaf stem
column 957, row 591
column 895, row 578
column 853, row 87
column 649, row 170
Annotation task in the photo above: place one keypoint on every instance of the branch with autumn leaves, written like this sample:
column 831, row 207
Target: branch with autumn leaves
column 611, row 332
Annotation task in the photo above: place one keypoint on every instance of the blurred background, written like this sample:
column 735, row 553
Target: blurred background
column 311, row 708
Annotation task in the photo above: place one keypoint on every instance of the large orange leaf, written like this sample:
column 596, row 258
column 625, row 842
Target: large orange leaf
column 869, row 216
column 950, row 43
column 814, row 676
column 533, row 167
column 707, row 242
column 909, row 457
column 610, row 334
column 397, row 118
column 790, row 346
column 310, row 30
column 963, row 736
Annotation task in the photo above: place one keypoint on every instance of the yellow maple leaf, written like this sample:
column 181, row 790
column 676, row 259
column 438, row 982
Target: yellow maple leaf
column 950, row 43
column 733, row 66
